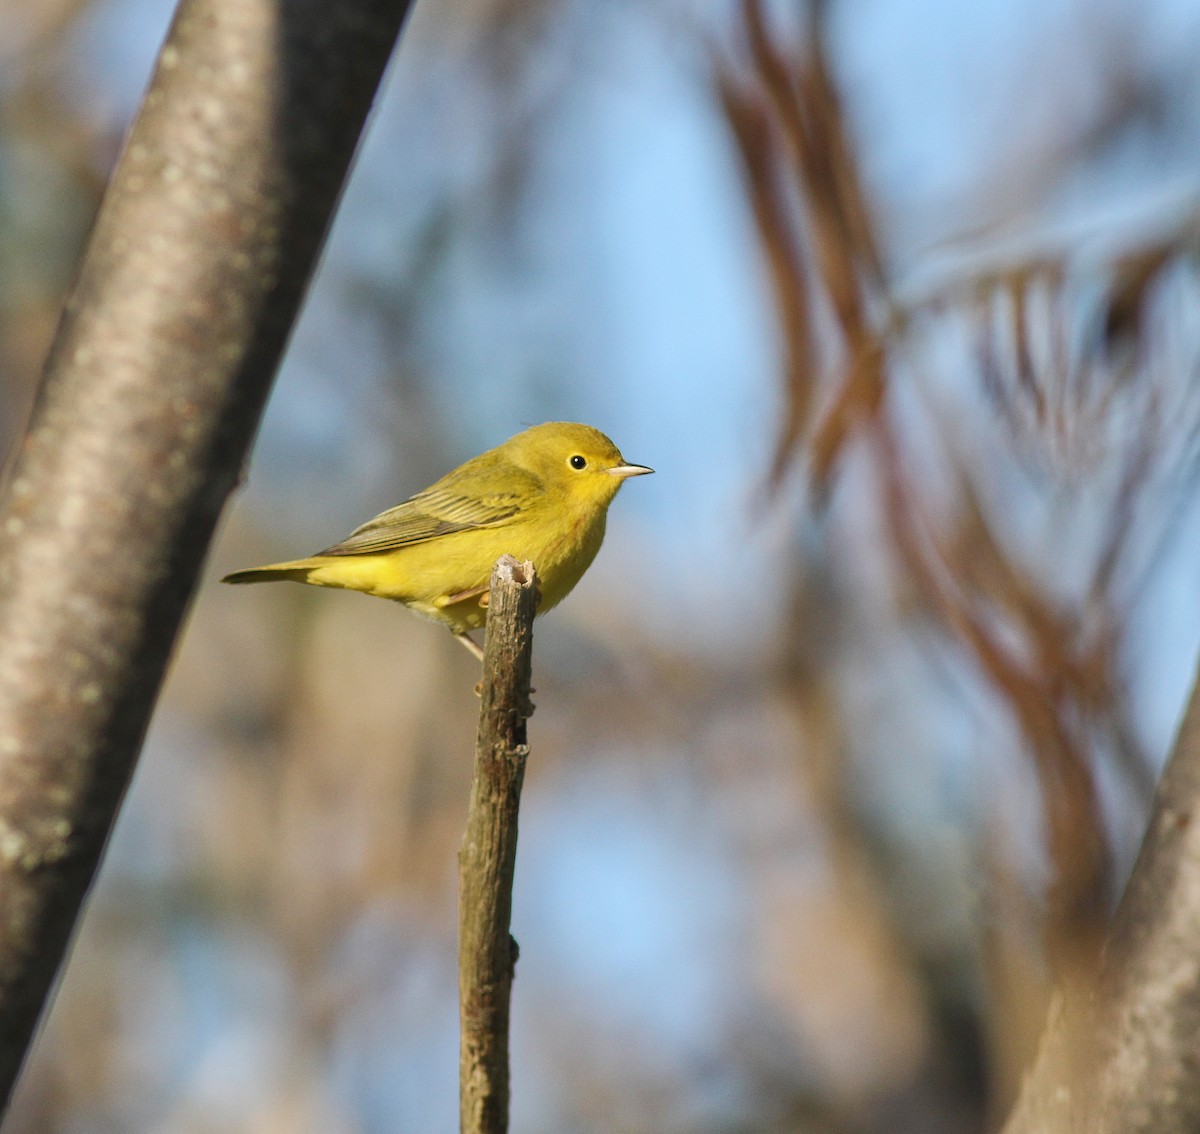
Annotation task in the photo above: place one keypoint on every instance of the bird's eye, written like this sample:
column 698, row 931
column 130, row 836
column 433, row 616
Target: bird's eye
column 578, row 462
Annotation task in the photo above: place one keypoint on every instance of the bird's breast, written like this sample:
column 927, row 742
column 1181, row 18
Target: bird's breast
column 561, row 563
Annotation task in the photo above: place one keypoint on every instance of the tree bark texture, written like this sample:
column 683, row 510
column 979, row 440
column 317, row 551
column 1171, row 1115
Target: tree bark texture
column 487, row 954
column 155, row 382
column 1121, row 1055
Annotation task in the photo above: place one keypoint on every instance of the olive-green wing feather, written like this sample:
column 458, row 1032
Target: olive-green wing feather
column 449, row 506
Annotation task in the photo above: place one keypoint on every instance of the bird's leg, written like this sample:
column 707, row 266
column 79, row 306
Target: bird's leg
column 481, row 593
column 475, row 649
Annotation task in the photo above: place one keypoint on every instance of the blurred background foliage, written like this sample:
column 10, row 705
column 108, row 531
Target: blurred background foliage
column 844, row 745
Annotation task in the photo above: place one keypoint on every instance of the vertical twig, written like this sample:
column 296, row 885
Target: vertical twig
column 487, row 954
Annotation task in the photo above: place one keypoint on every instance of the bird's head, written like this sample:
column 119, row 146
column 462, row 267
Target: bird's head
column 574, row 460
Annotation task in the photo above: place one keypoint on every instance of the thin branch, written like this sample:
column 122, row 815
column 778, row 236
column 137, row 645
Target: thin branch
column 751, row 126
column 487, row 954
column 153, row 389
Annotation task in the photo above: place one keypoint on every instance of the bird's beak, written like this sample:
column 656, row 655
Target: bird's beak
column 629, row 470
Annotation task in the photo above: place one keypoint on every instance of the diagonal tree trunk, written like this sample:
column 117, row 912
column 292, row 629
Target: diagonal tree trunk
column 1122, row 1053
column 153, row 389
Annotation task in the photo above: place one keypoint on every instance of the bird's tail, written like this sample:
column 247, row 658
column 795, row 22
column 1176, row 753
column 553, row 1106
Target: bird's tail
column 297, row 570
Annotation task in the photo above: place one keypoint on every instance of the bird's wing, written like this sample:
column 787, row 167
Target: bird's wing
column 449, row 506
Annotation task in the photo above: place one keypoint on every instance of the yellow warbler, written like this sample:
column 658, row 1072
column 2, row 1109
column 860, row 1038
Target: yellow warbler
column 542, row 495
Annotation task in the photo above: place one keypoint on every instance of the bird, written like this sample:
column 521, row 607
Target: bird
column 542, row 495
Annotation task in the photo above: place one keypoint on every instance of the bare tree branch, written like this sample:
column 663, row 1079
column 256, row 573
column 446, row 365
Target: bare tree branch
column 486, row 952
column 1121, row 1054
column 153, row 389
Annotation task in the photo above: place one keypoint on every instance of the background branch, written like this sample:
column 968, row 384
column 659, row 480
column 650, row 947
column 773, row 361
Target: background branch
column 487, row 954
column 1120, row 1054
column 152, row 391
